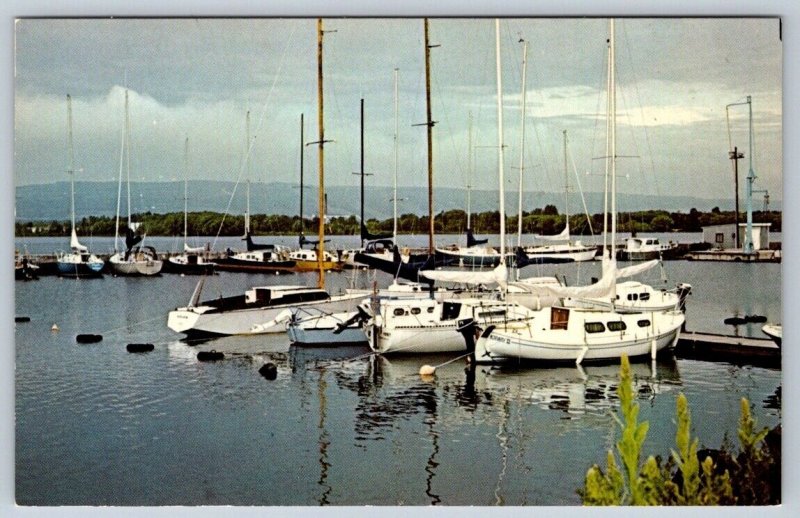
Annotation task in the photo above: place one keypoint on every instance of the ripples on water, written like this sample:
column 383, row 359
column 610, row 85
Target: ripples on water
column 98, row 426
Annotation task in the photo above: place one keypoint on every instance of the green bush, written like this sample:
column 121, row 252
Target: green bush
column 751, row 477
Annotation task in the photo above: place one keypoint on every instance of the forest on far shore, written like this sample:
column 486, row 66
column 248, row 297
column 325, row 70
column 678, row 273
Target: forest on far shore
column 546, row 221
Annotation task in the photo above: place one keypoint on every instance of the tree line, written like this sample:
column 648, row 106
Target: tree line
column 546, row 221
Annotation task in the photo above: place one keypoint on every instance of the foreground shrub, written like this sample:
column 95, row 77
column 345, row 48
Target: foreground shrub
column 749, row 477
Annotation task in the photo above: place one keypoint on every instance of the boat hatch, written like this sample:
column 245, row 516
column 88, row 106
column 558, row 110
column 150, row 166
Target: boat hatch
column 450, row 310
column 559, row 318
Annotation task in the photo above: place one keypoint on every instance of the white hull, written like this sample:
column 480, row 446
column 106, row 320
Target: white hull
column 560, row 253
column 427, row 326
column 539, row 341
column 204, row 321
column 134, row 266
column 324, row 330
column 774, row 331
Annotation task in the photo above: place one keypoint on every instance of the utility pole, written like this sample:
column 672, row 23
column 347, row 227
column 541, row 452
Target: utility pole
column 736, row 155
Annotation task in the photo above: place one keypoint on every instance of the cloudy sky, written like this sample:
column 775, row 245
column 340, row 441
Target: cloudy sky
column 199, row 77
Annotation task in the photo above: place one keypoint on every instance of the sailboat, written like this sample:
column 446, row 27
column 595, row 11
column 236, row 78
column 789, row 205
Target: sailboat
column 567, row 252
column 193, row 260
column 558, row 333
column 477, row 254
column 379, row 245
column 430, row 325
column 256, row 257
column 267, row 309
column 78, row 262
column 136, row 259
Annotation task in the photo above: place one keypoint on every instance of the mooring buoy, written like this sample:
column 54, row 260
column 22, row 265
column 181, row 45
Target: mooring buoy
column 88, row 338
column 210, row 356
column 139, row 348
column 269, row 371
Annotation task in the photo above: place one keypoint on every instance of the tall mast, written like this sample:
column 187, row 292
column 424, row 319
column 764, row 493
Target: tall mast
column 119, row 182
column 247, row 173
column 500, row 175
column 613, row 156
column 429, row 123
column 71, row 155
column 321, row 194
column 362, row 164
column 608, row 146
column 566, row 182
column 302, row 147
column 469, row 171
column 394, row 192
column 522, row 141
column 185, row 192
column 128, row 156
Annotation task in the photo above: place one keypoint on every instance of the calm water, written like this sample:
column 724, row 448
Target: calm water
column 96, row 425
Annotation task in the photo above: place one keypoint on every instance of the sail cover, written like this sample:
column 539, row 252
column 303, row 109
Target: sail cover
column 601, row 289
column 497, row 275
column 563, row 236
column 630, row 271
column 75, row 245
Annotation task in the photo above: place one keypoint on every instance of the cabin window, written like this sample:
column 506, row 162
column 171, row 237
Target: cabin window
column 450, row 310
column 719, row 237
column 415, row 311
column 633, row 296
column 594, row 327
column 559, row 318
column 430, row 309
column 644, row 296
column 398, row 312
column 643, row 323
column 617, row 326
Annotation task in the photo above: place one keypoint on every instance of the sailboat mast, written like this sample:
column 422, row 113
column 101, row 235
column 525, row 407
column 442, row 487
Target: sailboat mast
column 185, row 192
column 566, row 182
column 302, row 147
column 128, row 157
column 469, row 170
column 429, row 124
column 362, row 164
column 247, row 172
column 613, row 145
column 394, row 191
column 119, row 182
column 613, row 158
column 320, row 122
column 71, row 152
column 522, row 141
column 608, row 146
column 500, row 153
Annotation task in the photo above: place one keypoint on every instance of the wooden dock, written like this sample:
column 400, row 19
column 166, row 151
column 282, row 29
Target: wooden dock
column 735, row 349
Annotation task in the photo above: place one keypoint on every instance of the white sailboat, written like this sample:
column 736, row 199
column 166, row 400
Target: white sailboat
column 193, row 259
column 79, row 262
column 136, row 259
column 556, row 333
column 267, row 309
column 565, row 251
column 429, row 326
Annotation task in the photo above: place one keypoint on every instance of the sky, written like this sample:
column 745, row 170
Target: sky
column 198, row 78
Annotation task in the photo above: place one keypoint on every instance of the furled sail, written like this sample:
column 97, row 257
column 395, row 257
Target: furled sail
column 497, row 275
column 563, row 236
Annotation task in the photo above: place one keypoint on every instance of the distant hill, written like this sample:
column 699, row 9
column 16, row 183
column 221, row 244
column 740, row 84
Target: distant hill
column 51, row 201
